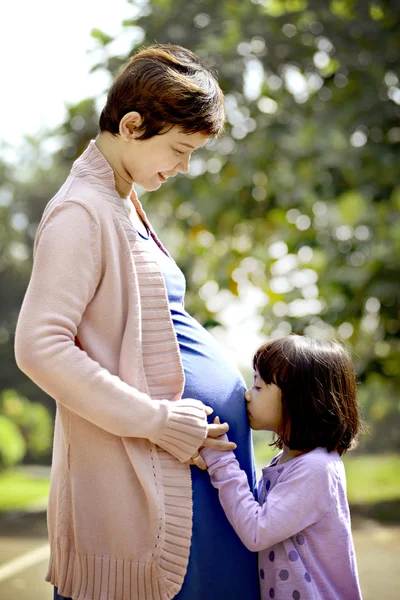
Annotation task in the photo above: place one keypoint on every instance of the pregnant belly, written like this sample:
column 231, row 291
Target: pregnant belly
column 209, row 376
column 216, row 551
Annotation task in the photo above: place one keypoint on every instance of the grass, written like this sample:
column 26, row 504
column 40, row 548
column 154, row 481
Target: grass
column 370, row 478
column 18, row 490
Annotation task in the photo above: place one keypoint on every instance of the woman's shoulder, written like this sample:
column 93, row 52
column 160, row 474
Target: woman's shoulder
column 96, row 202
column 73, row 196
column 90, row 184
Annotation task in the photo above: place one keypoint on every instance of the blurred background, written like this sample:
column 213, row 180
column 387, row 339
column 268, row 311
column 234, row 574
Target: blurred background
column 288, row 223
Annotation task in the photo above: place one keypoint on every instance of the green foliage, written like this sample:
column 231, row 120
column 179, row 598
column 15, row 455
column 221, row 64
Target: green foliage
column 102, row 37
column 31, row 421
column 12, row 443
column 19, row 490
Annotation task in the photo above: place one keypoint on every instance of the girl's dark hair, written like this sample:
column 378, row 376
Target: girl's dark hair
column 169, row 86
column 318, row 387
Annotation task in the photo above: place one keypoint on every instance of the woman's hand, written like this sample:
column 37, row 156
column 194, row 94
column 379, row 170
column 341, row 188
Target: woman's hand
column 214, row 431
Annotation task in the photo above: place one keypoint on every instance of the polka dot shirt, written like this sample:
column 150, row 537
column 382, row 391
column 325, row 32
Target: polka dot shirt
column 300, row 525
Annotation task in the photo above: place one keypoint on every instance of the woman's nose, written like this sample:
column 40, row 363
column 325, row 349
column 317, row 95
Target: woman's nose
column 183, row 166
column 247, row 396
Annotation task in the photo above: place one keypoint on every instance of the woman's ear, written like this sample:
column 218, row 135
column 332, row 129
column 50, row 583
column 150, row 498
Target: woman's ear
column 129, row 124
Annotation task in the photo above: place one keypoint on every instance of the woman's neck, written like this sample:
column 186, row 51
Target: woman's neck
column 288, row 454
column 109, row 147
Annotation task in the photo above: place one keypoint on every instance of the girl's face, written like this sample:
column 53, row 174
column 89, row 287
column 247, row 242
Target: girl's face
column 149, row 163
column 264, row 405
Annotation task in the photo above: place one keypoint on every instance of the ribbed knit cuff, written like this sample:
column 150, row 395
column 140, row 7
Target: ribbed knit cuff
column 185, row 429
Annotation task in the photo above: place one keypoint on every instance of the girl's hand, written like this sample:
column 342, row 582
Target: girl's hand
column 214, row 431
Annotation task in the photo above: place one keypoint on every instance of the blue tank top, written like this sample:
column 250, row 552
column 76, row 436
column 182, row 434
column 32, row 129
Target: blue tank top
column 220, row 567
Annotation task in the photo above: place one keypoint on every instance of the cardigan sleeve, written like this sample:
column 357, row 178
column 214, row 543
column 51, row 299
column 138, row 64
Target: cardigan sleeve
column 65, row 276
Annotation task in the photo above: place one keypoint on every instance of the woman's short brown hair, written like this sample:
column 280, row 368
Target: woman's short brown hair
column 168, row 86
column 318, row 390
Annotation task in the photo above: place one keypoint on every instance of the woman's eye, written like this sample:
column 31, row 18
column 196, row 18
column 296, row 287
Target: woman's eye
column 178, row 152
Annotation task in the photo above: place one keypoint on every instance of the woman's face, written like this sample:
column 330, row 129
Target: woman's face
column 149, row 163
column 264, row 405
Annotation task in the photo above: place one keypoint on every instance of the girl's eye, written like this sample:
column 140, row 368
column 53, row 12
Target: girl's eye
column 178, row 152
column 256, row 387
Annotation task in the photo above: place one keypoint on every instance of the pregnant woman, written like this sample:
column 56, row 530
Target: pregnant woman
column 103, row 331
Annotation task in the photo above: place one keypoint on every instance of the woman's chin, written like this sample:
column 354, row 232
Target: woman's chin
column 149, row 186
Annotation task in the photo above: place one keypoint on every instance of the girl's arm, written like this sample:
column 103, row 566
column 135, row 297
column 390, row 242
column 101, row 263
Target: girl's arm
column 296, row 502
column 66, row 272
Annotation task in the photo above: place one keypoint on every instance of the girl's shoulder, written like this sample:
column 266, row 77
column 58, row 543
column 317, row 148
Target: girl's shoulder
column 316, row 472
column 319, row 458
column 318, row 461
column 322, row 456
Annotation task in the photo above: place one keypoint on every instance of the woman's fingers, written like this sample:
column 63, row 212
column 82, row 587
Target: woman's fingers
column 214, row 431
column 217, row 429
column 198, row 461
column 217, row 444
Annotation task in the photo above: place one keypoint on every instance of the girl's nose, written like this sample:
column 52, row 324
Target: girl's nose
column 247, row 396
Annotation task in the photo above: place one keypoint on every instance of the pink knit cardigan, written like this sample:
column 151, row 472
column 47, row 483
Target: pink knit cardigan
column 120, row 506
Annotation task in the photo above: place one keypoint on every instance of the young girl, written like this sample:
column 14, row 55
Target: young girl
column 305, row 391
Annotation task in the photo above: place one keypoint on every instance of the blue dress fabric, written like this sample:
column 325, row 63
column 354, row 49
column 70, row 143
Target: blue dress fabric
column 220, row 567
column 56, row 596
